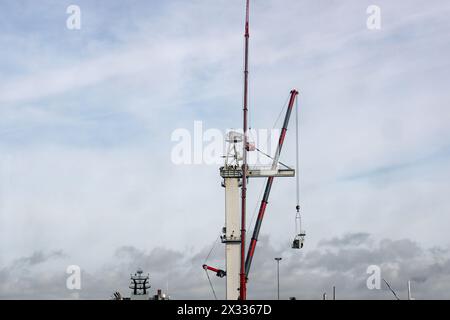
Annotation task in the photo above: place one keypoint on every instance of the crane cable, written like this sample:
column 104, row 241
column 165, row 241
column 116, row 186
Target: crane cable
column 265, row 154
column 392, row 290
column 270, row 157
column 212, row 249
column 206, row 271
column 270, row 135
column 298, row 219
column 210, row 284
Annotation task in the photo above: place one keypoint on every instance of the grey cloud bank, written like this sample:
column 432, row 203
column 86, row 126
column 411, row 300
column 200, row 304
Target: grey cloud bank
column 305, row 275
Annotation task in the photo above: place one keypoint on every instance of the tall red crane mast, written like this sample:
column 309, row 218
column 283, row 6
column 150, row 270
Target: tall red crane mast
column 243, row 276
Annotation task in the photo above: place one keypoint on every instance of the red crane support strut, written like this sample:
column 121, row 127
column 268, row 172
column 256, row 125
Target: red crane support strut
column 262, row 209
column 220, row 273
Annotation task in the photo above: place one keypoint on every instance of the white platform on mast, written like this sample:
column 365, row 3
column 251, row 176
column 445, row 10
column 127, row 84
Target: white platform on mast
column 257, row 172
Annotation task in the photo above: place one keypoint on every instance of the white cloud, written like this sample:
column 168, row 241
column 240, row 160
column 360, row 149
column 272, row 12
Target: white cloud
column 368, row 102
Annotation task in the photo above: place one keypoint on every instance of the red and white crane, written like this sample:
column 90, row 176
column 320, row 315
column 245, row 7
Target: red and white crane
column 235, row 173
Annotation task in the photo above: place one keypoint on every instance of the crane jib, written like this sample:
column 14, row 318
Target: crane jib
column 264, row 202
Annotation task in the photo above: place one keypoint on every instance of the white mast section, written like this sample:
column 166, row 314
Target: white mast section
column 231, row 173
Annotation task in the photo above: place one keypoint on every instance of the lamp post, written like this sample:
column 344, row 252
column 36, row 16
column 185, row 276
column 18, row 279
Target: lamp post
column 278, row 275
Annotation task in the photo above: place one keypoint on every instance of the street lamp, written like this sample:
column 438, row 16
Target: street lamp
column 278, row 275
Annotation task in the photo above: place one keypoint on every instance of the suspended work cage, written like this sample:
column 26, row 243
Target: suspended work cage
column 299, row 232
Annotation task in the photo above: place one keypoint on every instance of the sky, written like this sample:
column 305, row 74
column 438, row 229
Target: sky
column 86, row 124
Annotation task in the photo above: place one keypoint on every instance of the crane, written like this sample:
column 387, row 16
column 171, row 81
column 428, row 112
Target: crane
column 265, row 200
column 235, row 174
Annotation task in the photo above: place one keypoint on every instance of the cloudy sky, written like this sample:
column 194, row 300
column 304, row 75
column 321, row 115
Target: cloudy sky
column 87, row 116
